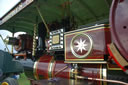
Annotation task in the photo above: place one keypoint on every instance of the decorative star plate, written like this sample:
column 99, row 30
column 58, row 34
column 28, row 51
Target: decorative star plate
column 81, row 45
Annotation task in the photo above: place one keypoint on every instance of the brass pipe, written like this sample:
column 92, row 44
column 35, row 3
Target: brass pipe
column 4, row 43
column 104, row 80
column 61, row 70
column 42, row 19
column 34, row 40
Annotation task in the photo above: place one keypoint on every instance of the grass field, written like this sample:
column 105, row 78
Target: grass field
column 23, row 80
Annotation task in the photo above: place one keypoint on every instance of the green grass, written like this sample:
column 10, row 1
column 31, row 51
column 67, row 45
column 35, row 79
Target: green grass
column 23, row 80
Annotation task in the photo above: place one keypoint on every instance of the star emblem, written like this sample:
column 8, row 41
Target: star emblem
column 81, row 45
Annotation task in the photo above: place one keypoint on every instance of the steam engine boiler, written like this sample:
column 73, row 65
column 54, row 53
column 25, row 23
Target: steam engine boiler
column 91, row 55
column 73, row 57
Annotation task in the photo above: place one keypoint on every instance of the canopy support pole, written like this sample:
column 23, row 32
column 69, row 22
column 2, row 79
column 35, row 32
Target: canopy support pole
column 13, row 36
column 4, row 43
column 34, row 40
column 43, row 19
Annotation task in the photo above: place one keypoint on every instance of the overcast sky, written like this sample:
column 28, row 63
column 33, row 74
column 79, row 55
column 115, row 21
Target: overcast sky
column 6, row 5
column 4, row 34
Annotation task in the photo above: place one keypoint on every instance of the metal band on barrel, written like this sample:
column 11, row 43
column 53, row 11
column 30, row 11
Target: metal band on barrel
column 50, row 68
column 104, row 73
column 35, row 70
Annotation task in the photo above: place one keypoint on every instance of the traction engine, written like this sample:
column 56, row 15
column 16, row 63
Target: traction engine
column 96, row 54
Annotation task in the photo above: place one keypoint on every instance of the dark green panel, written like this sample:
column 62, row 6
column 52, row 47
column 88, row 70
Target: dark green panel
column 84, row 12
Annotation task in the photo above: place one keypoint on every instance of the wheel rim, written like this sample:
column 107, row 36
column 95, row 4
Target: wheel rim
column 119, row 25
column 5, row 83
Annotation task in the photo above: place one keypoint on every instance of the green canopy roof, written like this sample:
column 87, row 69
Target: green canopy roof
column 26, row 14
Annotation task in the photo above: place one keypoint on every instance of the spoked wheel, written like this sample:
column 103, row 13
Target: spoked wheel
column 10, row 81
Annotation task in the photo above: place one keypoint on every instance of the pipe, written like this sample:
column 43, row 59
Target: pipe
column 42, row 19
column 61, row 70
column 104, row 80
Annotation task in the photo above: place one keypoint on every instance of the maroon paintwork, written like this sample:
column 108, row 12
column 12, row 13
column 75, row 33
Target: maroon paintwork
column 93, row 71
column 64, row 78
column 43, row 67
column 65, row 73
column 24, row 42
column 100, row 37
column 119, row 25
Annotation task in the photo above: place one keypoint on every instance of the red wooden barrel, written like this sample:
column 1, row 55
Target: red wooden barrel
column 46, row 68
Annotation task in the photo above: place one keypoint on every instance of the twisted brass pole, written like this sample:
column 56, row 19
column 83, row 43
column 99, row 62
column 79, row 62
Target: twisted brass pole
column 46, row 26
column 34, row 40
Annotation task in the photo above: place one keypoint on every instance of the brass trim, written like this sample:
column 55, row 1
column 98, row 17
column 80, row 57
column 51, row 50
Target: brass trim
column 113, row 68
column 42, row 18
column 116, row 54
column 75, row 73
column 69, row 75
column 53, row 67
column 65, row 47
column 83, row 30
column 84, row 59
column 104, row 74
column 34, row 40
column 96, row 62
column 90, row 48
column 35, row 70
column 88, row 28
column 100, row 74
column 50, row 68
column 77, row 59
column 72, row 74
column 72, row 82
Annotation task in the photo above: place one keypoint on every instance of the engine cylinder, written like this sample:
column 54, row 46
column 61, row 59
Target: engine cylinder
column 24, row 43
column 46, row 67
